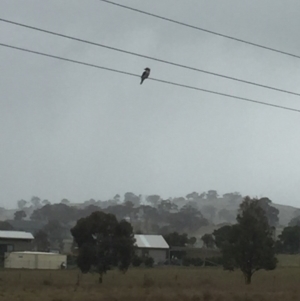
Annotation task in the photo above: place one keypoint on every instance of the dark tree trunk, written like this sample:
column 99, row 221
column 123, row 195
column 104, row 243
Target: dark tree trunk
column 248, row 277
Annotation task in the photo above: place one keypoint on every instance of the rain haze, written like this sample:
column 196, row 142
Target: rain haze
column 77, row 132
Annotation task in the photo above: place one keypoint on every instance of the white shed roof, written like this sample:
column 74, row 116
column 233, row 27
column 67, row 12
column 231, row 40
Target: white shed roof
column 150, row 241
column 16, row 235
column 35, row 253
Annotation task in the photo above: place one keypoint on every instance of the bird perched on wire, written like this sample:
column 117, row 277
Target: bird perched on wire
column 145, row 74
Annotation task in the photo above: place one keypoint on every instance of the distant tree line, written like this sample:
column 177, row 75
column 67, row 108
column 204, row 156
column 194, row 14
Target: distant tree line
column 252, row 225
column 103, row 231
column 249, row 245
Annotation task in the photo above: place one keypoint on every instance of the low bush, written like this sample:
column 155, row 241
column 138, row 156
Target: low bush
column 137, row 261
column 149, row 262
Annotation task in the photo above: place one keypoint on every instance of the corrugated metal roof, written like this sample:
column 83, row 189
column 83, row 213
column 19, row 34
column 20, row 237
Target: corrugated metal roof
column 16, row 235
column 35, row 253
column 150, row 241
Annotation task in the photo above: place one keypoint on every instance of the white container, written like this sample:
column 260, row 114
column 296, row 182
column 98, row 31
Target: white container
column 34, row 260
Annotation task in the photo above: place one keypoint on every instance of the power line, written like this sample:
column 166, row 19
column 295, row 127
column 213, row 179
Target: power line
column 201, row 29
column 153, row 79
column 67, row 60
column 149, row 57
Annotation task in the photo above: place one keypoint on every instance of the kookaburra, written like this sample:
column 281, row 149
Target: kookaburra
column 145, row 74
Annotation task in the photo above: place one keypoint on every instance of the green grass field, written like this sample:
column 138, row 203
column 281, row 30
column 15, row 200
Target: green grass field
column 165, row 283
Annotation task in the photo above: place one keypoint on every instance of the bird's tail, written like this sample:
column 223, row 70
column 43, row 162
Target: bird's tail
column 141, row 81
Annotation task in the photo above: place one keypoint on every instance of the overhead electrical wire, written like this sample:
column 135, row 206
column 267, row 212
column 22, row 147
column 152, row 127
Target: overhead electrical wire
column 153, row 79
column 149, row 57
column 200, row 28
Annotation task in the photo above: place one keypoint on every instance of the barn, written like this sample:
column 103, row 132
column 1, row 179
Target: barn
column 153, row 246
column 35, row 260
column 15, row 241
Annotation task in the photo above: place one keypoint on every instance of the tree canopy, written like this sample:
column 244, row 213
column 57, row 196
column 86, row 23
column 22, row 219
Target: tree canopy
column 41, row 241
column 271, row 212
column 4, row 225
column 103, row 242
column 249, row 244
column 289, row 240
column 208, row 241
column 222, row 235
column 179, row 240
column 19, row 215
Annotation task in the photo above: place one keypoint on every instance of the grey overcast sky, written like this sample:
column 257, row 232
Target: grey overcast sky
column 70, row 131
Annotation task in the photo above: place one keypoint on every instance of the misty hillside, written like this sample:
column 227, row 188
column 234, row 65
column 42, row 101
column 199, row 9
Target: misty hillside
column 286, row 213
column 214, row 208
column 195, row 214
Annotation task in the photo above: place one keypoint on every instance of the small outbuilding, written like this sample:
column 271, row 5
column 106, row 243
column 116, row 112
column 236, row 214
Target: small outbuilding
column 153, row 246
column 15, row 241
column 35, row 260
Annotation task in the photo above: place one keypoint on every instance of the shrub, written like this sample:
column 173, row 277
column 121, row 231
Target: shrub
column 149, row 261
column 137, row 261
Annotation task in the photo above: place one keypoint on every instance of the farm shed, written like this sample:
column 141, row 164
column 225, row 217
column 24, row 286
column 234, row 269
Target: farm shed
column 34, row 260
column 153, row 246
column 15, row 241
